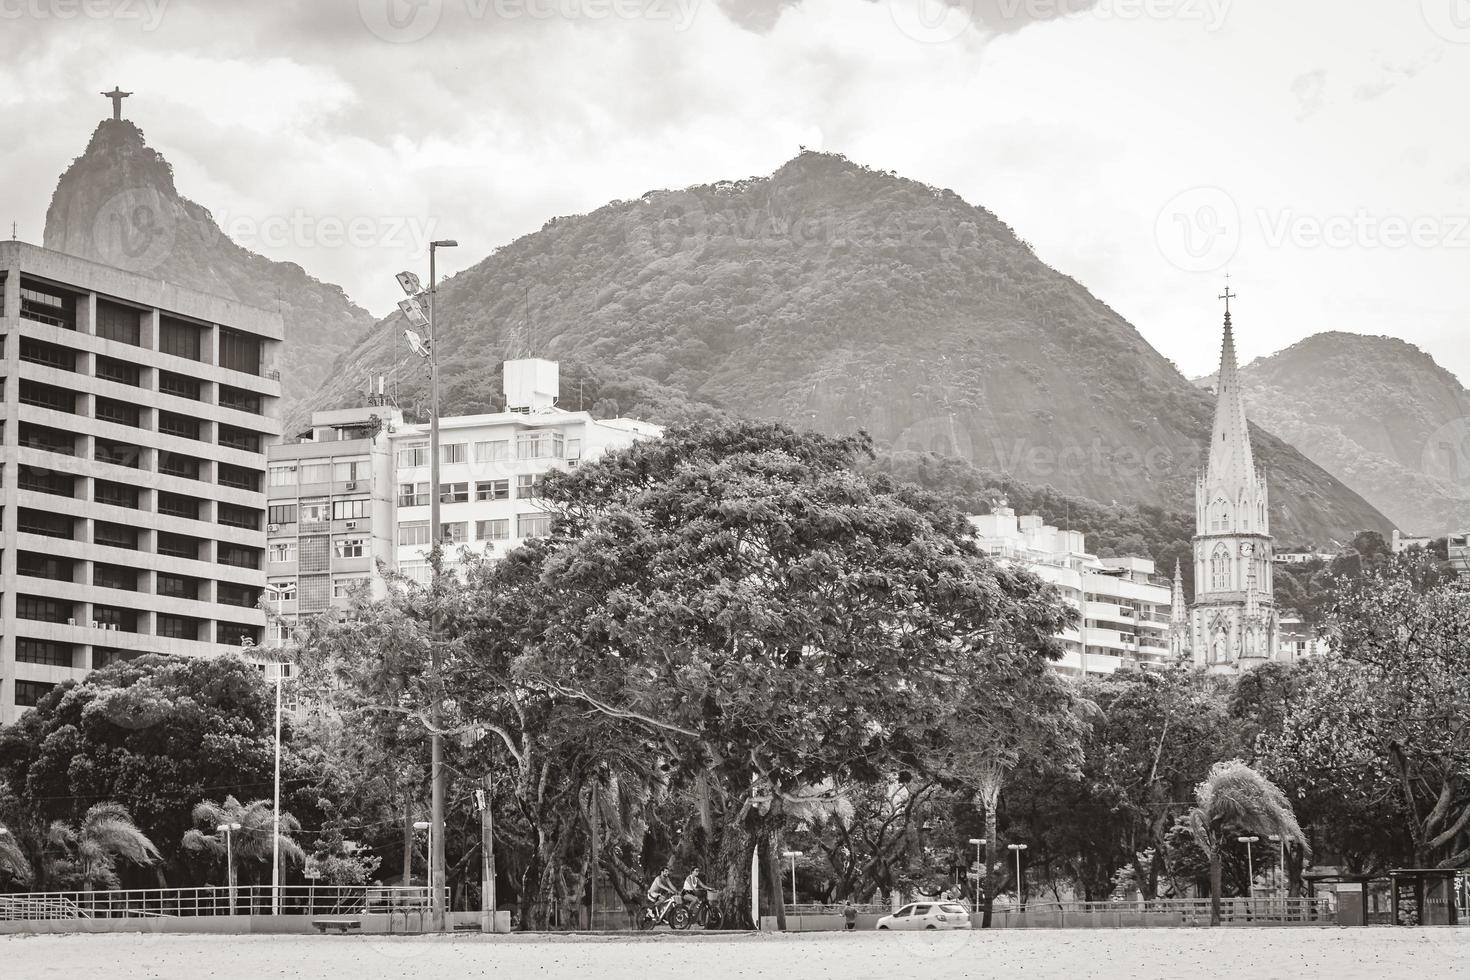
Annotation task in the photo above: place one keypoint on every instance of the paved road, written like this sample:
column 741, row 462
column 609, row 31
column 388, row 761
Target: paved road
column 1248, row 954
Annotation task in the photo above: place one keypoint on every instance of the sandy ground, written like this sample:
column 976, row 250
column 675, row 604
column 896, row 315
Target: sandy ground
column 1341, row 954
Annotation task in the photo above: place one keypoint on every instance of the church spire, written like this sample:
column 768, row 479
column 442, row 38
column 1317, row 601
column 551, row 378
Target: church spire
column 1180, row 611
column 1231, row 466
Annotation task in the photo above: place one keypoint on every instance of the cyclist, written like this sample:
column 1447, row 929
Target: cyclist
column 693, row 891
column 662, row 893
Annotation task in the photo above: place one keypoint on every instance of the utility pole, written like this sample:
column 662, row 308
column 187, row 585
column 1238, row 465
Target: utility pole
column 487, row 855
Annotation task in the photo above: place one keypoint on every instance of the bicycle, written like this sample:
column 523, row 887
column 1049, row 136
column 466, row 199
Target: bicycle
column 703, row 913
column 674, row 914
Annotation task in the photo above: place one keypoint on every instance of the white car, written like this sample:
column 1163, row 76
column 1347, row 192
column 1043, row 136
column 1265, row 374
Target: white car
column 928, row 915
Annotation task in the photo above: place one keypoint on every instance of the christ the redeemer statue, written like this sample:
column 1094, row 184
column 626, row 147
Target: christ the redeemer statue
column 116, row 95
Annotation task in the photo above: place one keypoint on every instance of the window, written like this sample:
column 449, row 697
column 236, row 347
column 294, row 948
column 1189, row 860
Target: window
column 34, row 565
column 28, row 694
column 455, row 532
column 42, row 522
column 237, row 516
column 494, row 451
column 180, row 338
column 110, row 369
column 115, row 577
column 454, row 493
column 492, row 490
column 236, row 634
column 44, row 306
column 286, row 590
column 417, row 572
column 314, row 511
column 118, row 453
column 41, row 609
column 177, row 587
column 239, row 351
column 528, row 485
column 111, row 617
column 50, row 355
column 414, row 454
column 349, row 471
column 412, row 533
column 178, row 385
column 178, row 545
column 177, row 464
column 1220, row 570
column 236, row 595
column 350, row 547
column 117, row 322
column 539, row 445
column 533, row 525
column 574, row 451
column 281, row 514
column 497, row 530
column 239, row 400
column 316, row 472
column 46, row 439
column 351, row 510
column 452, row 453
column 47, row 396
column 115, row 494
column 284, row 551
column 342, row 588
column 178, row 505
column 413, row 495
column 238, row 477
column 233, row 437
column 116, row 412
column 177, row 627
column 115, row 535
column 47, row 481
column 283, row 475
column 43, row 652
column 239, row 556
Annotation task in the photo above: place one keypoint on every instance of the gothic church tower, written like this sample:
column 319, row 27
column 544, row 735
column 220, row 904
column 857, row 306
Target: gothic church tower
column 1232, row 622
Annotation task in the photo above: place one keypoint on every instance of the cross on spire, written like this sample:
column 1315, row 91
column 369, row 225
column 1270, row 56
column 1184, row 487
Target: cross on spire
column 116, row 95
column 1227, row 296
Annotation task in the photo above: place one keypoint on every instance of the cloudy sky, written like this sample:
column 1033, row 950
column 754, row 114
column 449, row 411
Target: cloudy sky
column 1317, row 149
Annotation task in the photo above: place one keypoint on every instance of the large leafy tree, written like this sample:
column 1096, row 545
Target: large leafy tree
column 744, row 600
column 86, row 854
column 155, row 735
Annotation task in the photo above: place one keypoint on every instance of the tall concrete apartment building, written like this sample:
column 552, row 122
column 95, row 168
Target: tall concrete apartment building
column 135, row 418
column 491, row 466
column 330, row 516
column 1123, row 606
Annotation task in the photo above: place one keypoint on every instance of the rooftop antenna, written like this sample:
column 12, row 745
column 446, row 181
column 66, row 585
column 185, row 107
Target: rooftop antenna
column 13, row 231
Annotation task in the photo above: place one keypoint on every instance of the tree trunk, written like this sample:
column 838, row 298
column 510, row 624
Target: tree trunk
column 407, row 839
column 1215, row 879
column 987, row 872
column 773, row 871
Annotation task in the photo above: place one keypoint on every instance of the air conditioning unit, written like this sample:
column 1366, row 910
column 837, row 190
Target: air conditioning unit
column 96, row 625
column 351, row 484
column 71, row 621
column 351, row 525
column 272, row 528
column 112, row 626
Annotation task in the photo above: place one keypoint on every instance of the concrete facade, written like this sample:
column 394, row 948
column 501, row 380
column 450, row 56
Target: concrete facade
column 1123, row 607
column 135, row 419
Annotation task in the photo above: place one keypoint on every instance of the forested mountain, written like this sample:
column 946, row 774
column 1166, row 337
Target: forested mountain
column 117, row 204
column 1377, row 413
column 840, row 297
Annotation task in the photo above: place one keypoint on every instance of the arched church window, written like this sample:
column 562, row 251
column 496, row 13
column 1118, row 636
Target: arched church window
column 1220, row 569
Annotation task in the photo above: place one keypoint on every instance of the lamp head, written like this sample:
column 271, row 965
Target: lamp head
column 421, row 825
column 444, row 243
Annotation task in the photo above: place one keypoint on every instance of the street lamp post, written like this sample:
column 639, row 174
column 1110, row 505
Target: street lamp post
column 429, row 876
column 1250, row 868
column 436, row 742
column 979, row 842
column 1017, row 849
column 228, row 830
column 282, row 670
column 1281, row 868
column 793, row 855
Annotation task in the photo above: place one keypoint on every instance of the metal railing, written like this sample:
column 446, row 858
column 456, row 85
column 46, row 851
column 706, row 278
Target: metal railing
column 321, row 900
column 1176, row 911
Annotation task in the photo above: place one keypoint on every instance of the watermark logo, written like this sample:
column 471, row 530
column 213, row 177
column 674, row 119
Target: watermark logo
column 303, row 229
column 933, row 21
column 1199, row 230
column 134, row 229
column 1210, row 13
column 1446, row 455
column 1363, row 229
column 1450, row 19
column 148, row 14
column 400, row 21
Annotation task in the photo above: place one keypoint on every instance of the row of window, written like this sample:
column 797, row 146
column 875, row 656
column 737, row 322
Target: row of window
column 330, row 471
column 343, row 586
column 416, row 533
column 285, row 551
column 321, row 511
column 548, row 444
column 528, row 487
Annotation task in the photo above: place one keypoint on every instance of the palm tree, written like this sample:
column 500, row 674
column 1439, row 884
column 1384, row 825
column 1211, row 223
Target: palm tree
column 92, row 849
column 252, row 842
column 1235, row 799
column 13, row 863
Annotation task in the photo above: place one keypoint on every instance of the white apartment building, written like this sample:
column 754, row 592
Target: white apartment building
column 491, row 467
column 1123, row 606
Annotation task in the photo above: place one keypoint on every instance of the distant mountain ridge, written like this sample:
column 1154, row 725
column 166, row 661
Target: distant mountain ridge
column 1379, row 414
column 840, row 297
column 117, row 204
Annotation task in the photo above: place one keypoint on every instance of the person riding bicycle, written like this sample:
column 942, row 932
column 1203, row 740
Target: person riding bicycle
column 662, row 892
column 694, row 887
